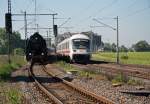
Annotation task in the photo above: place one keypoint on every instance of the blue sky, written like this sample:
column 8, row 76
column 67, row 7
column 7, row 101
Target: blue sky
column 134, row 17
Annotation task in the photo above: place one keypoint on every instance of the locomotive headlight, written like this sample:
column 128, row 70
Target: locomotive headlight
column 29, row 54
column 42, row 53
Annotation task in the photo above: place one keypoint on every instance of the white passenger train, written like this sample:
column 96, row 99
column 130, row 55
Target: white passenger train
column 75, row 48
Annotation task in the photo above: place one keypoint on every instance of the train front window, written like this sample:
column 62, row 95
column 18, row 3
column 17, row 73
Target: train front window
column 81, row 44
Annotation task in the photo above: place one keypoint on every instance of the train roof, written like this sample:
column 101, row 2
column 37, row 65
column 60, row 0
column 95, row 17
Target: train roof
column 78, row 36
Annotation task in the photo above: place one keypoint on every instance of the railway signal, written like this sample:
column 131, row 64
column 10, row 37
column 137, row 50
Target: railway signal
column 8, row 23
column 55, row 30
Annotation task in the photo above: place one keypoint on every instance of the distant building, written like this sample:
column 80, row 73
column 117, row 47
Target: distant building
column 48, row 42
column 96, row 42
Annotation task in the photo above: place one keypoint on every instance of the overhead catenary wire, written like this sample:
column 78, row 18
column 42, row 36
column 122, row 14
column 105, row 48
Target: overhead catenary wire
column 132, row 4
column 100, row 10
column 136, row 12
column 104, row 24
column 104, row 8
column 64, row 22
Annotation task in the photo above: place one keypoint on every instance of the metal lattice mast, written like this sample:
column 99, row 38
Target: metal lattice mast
column 9, row 6
column 9, row 11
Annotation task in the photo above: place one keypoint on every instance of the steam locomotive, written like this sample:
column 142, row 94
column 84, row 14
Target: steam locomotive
column 36, row 50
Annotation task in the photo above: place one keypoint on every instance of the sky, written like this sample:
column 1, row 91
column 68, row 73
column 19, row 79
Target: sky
column 79, row 15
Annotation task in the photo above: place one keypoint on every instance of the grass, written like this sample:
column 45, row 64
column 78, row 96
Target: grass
column 118, row 79
column 134, row 82
column 6, row 68
column 68, row 67
column 14, row 96
column 10, row 95
column 123, row 79
column 141, row 58
column 14, row 59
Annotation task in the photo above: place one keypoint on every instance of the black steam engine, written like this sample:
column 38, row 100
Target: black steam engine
column 36, row 50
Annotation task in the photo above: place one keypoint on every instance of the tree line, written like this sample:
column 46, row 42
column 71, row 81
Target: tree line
column 16, row 43
column 140, row 46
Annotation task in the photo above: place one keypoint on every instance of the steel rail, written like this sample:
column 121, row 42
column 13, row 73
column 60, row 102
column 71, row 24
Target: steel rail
column 97, row 98
column 43, row 89
column 131, row 72
column 108, row 69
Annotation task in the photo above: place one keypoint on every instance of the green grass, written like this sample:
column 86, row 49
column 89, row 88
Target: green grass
column 68, row 67
column 120, row 78
column 14, row 59
column 6, row 68
column 10, row 94
column 123, row 79
column 14, row 96
column 141, row 58
column 134, row 82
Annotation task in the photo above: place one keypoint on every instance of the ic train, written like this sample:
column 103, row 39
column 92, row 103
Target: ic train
column 36, row 49
column 75, row 48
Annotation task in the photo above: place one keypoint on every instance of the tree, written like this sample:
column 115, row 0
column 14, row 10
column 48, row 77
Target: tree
column 107, row 47
column 123, row 48
column 113, row 47
column 15, row 40
column 141, row 46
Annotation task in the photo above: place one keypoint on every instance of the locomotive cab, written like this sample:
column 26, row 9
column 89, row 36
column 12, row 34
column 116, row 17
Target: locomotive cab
column 81, row 49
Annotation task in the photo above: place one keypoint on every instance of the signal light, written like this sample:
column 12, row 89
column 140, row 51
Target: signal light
column 8, row 23
column 55, row 30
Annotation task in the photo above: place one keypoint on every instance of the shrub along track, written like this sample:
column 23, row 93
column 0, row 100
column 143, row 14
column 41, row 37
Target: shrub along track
column 62, row 91
column 113, row 69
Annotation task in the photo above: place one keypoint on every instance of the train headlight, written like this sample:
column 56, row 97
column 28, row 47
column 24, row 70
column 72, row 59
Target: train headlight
column 29, row 54
column 42, row 53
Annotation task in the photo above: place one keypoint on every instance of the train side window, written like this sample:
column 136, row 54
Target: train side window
column 67, row 45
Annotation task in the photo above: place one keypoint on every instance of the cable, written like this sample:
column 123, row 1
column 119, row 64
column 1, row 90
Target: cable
column 131, row 5
column 104, row 24
column 64, row 22
column 136, row 12
column 105, row 7
column 27, row 25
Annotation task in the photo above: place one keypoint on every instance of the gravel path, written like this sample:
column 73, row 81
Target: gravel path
column 102, row 86
column 30, row 92
column 99, row 86
column 105, row 88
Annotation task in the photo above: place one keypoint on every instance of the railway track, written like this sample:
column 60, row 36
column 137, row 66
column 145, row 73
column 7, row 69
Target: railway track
column 128, row 70
column 64, row 92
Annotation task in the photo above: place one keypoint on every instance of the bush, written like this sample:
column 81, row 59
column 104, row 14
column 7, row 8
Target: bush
column 120, row 78
column 124, row 57
column 6, row 70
